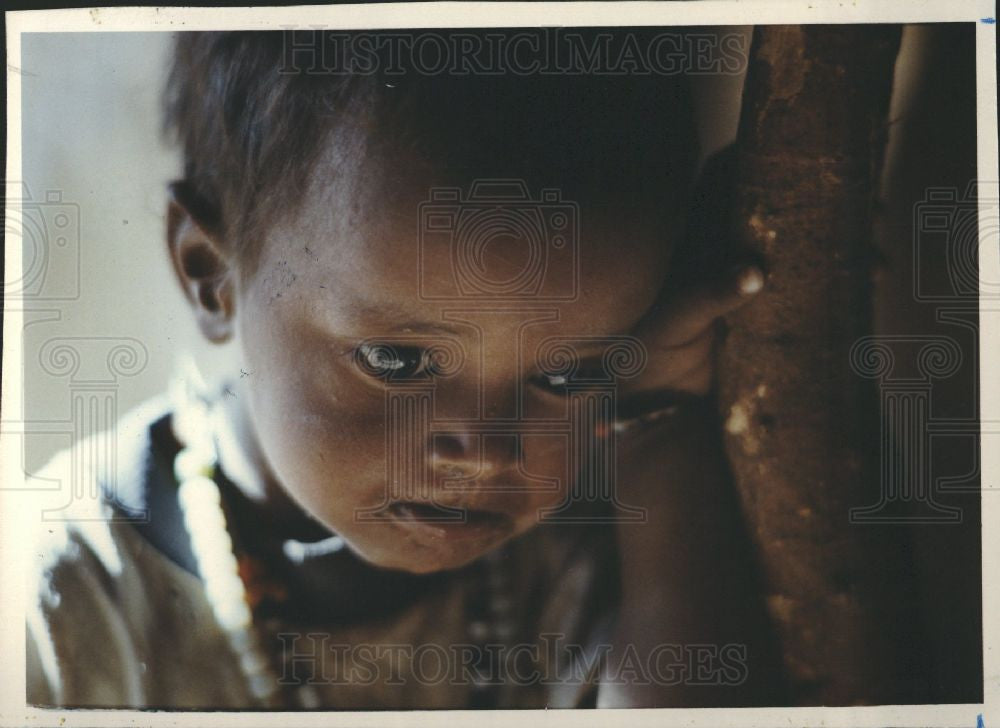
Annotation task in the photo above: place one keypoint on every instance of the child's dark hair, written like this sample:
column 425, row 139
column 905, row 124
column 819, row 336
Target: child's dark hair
column 251, row 119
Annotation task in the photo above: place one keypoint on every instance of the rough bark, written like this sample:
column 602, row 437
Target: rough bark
column 801, row 427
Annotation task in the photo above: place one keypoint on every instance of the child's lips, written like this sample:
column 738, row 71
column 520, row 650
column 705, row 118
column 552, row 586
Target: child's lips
column 442, row 524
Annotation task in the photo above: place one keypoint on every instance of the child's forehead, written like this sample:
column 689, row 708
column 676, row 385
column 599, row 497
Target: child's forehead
column 383, row 248
column 383, row 207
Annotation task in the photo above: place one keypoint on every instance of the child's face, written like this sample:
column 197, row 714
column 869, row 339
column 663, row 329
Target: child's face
column 344, row 270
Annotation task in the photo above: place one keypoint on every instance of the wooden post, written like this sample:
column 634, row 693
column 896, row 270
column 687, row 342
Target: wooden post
column 801, row 427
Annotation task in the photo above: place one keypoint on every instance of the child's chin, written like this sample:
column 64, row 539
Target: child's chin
column 430, row 559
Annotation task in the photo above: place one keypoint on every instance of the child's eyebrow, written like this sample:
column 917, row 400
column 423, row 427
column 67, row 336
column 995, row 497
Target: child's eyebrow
column 391, row 318
column 424, row 327
column 373, row 319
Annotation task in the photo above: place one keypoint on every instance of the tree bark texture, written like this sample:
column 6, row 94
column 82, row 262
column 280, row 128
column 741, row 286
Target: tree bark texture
column 801, row 426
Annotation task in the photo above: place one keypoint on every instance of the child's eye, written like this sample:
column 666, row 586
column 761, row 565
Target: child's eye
column 387, row 361
column 588, row 372
column 552, row 383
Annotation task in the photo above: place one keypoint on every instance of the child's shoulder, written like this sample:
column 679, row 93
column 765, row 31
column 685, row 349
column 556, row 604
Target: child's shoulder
column 90, row 488
column 79, row 552
column 97, row 484
column 96, row 591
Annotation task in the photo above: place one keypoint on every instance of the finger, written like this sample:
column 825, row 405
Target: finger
column 689, row 313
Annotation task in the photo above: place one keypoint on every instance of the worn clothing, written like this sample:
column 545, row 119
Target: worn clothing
column 121, row 618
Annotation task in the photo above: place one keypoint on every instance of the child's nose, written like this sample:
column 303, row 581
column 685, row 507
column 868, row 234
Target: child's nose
column 474, row 454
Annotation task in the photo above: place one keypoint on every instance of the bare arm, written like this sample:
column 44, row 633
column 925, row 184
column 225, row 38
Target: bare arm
column 687, row 577
column 691, row 610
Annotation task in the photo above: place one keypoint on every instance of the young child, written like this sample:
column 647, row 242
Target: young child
column 438, row 476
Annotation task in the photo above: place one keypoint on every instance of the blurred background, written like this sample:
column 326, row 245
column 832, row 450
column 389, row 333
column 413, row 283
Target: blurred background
column 92, row 152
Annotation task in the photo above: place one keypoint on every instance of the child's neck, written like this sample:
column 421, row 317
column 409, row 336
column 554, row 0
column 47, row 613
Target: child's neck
column 244, row 464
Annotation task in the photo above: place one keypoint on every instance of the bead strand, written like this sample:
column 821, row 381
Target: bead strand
column 201, row 505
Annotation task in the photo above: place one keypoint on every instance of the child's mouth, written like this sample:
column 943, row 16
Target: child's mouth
column 449, row 524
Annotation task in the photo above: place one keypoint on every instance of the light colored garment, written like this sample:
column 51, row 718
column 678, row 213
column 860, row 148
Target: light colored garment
column 117, row 623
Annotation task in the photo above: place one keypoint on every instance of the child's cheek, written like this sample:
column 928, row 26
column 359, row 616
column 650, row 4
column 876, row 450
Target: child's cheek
column 312, row 429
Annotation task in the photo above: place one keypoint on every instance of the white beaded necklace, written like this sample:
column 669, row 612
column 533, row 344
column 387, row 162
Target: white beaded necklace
column 201, row 505
column 205, row 520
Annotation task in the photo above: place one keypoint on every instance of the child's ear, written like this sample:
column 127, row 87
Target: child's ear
column 202, row 265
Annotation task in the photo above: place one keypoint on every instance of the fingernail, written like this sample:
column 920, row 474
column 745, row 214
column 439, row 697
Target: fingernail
column 750, row 281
